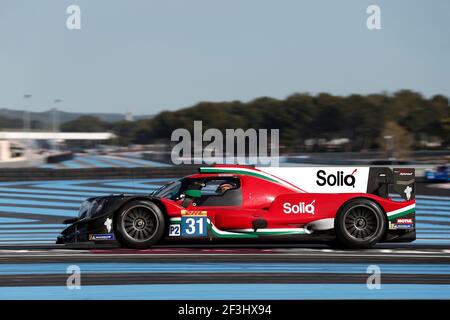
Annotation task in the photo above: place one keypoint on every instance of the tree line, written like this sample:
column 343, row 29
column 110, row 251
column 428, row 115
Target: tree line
column 365, row 120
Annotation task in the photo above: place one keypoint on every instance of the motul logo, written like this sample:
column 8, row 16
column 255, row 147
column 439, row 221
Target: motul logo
column 338, row 179
column 300, row 208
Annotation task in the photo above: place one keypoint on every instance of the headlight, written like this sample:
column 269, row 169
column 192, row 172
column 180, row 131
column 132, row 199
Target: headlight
column 84, row 209
column 88, row 209
column 96, row 207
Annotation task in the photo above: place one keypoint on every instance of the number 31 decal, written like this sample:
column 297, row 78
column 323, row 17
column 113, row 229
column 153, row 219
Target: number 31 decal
column 193, row 227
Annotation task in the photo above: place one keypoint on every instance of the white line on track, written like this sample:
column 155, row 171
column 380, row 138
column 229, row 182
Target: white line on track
column 242, row 255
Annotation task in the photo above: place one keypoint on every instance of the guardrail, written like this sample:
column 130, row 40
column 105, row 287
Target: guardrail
column 33, row 174
column 59, row 157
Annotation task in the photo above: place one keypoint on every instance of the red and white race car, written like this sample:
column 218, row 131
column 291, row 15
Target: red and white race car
column 348, row 204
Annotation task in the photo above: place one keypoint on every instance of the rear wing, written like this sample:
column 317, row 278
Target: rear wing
column 383, row 180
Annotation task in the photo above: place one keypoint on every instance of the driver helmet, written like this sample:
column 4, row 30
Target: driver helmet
column 225, row 187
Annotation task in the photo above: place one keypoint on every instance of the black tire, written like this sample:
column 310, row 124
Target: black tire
column 139, row 224
column 360, row 223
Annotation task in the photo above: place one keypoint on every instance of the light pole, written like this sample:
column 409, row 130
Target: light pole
column 390, row 146
column 26, row 113
column 55, row 118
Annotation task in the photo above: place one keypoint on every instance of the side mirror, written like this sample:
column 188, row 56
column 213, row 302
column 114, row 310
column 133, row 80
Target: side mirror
column 194, row 193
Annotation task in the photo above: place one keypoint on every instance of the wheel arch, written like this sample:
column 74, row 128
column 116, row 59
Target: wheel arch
column 137, row 201
column 155, row 201
column 386, row 220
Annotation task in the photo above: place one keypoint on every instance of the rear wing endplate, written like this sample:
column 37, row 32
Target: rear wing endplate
column 382, row 180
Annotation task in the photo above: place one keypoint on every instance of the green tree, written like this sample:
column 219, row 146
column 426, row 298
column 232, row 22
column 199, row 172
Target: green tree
column 361, row 118
column 395, row 141
column 85, row 124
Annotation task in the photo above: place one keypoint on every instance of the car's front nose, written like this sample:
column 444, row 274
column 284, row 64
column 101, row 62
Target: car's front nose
column 71, row 234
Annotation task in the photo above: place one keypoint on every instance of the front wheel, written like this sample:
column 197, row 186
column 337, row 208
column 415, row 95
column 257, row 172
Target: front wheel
column 360, row 224
column 139, row 224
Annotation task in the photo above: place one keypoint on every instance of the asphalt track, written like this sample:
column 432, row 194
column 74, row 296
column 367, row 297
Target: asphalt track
column 32, row 267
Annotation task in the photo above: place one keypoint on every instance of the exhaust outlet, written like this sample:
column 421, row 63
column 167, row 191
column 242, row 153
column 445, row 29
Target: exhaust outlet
column 308, row 229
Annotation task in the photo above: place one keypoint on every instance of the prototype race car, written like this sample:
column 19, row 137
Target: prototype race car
column 349, row 206
column 440, row 174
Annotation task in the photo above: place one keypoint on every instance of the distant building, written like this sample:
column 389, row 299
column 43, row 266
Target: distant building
column 38, row 135
column 16, row 154
column 19, row 149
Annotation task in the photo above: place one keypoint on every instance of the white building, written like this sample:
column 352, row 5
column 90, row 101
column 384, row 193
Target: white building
column 16, row 147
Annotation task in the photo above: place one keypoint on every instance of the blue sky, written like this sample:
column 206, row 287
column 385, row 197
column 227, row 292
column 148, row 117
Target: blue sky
column 154, row 55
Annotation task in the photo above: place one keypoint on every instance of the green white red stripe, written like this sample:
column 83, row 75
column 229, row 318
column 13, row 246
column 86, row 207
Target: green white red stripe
column 250, row 233
column 274, row 231
column 401, row 212
column 246, row 233
column 251, row 172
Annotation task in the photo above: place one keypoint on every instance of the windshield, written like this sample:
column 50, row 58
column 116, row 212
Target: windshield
column 208, row 186
column 169, row 190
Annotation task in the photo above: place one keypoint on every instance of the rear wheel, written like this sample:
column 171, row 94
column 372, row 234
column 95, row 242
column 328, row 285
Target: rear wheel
column 360, row 224
column 140, row 224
